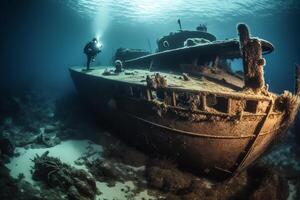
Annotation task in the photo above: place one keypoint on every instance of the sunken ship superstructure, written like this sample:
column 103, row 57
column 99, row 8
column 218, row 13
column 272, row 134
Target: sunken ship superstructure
column 212, row 125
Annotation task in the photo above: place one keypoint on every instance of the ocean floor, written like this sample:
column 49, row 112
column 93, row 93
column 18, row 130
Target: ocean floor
column 68, row 151
column 51, row 149
column 72, row 152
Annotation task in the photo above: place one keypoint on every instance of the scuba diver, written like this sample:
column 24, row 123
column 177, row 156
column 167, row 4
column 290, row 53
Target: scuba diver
column 91, row 50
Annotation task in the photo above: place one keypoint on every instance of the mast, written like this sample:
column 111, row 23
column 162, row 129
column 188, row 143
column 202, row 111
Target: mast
column 253, row 62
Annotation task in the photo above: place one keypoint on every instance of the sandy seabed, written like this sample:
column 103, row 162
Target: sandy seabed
column 69, row 152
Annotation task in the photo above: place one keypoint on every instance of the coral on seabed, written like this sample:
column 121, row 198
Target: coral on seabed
column 104, row 171
column 77, row 183
column 28, row 120
column 10, row 188
column 13, row 189
column 6, row 147
column 259, row 182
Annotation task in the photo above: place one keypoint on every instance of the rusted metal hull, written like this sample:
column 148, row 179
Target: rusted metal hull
column 215, row 144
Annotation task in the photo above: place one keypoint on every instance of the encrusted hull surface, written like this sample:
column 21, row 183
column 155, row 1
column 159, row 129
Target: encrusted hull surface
column 213, row 143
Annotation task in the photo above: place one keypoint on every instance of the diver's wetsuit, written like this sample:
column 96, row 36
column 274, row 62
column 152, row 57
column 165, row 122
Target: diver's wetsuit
column 91, row 50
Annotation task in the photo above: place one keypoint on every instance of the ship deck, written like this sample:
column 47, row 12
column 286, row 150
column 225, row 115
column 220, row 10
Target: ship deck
column 174, row 81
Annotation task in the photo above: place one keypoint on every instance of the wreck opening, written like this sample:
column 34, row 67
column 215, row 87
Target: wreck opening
column 251, row 106
column 221, row 104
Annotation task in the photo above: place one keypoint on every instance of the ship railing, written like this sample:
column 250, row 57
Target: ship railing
column 202, row 101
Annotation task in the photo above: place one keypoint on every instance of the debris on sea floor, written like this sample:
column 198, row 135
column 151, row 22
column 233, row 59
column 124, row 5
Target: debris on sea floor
column 258, row 182
column 78, row 184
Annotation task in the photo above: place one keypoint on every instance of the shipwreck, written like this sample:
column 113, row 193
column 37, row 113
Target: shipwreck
column 184, row 102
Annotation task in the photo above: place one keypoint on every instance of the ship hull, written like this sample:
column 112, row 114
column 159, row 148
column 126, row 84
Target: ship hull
column 207, row 143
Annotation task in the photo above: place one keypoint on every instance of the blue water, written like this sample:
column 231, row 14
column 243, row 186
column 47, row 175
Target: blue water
column 41, row 39
column 162, row 12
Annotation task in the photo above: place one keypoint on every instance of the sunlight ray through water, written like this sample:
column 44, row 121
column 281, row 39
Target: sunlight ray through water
column 163, row 11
